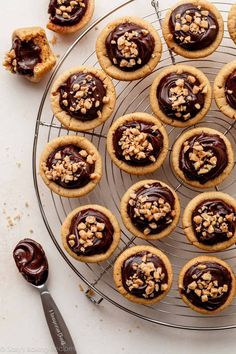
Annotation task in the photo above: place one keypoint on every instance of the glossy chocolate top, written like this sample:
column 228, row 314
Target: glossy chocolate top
column 207, row 285
column 180, row 96
column 203, row 157
column 230, row 90
column 129, row 46
column 144, row 275
column 28, row 55
column 83, row 96
column 137, row 143
column 214, row 221
column 31, row 261
column 67, row 12
column 91, row 233
column 193, row 27
column 151, row 208
column 70, row 167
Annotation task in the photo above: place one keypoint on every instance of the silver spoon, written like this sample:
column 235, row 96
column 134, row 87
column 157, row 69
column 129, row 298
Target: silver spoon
column 32, row 264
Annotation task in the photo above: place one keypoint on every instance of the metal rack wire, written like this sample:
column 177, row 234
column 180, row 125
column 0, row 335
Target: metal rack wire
column 134, row 96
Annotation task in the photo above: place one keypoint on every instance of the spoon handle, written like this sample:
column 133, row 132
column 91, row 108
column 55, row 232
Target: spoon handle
column 59, row 331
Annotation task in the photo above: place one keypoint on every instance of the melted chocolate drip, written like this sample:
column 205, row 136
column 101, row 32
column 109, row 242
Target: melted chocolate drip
column 96, row 92
column 145, row 45
column 230, row 90
column 128, row 272
column 31, row 261
column 199, row 40
column 219, row 207
column 82, row 174
column 154, row 192
column 212, row 143
column 74, row 17
column 28, row 55
column 219, row 273
column 99, row 245
column 155, row 138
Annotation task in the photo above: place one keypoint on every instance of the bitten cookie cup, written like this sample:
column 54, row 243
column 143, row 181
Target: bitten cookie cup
column 70, row 166
column 202, row 157
column 129, row 48
column 30, row 55
column 150, row 209
column 143, row 274
column 193, row 28
column 90, row 233
column 225, row 89
column 180, row 95
column 83, row 98
column 207, row 284
column 209, row 221
column 137, row 143
column 68, row 16
column 232, row 23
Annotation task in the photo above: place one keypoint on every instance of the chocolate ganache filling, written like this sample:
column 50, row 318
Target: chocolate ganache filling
column 70, row 167
column 83, row 96
column 137, row 143
column 230, row 90
column 214, row 221
column 144, row 275
column 28, row 55
column 91, row 233
column 130, row 46
column 207, row 285
column 67, row 12
column 203, row 157
column 31, row 261
column 193, row 27
column 151, row 208
column 180, row 96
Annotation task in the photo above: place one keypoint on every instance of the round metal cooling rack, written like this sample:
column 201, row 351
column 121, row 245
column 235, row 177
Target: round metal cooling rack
column 134, row 96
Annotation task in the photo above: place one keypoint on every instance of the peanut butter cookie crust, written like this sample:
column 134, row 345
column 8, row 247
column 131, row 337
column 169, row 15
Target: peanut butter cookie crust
column 31, row 55
column 68, row 16
column 129, row 49
column 209, row 221
column 180, row 95
column 154, row 268
column 137, row 143
column 207, row 284
column 150, row 209
column 71, row 166
column 83, row 98
column 193, row 28
column 90, row 233
column 202, row 157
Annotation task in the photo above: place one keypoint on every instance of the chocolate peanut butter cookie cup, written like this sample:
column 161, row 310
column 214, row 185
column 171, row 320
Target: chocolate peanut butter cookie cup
column 129, row 48
column 232, row 22
column 90, row 233
column 150, row 209
column 180, row 95
column 137, row 143
column 71, row 166
column 193, row 28
column 143, row 274
column 30, row 55
column 207, row 284
column 202, row 157
column 69, row 16
column 209, row 221
column 225, row 90
column 83, row 98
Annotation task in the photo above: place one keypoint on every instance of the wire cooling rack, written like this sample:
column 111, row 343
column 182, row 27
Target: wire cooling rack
column 134, row 96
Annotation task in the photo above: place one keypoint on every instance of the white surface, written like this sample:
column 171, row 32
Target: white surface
column 23, row 329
